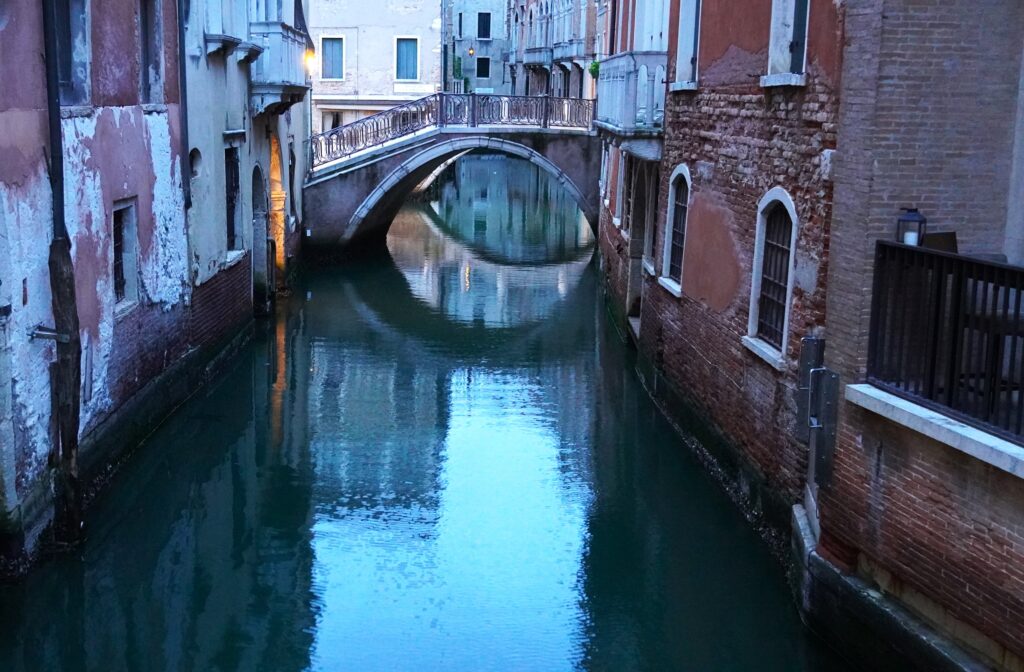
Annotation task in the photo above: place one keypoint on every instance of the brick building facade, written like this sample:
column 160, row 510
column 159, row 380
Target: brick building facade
column 929, row 508
column 747, row 220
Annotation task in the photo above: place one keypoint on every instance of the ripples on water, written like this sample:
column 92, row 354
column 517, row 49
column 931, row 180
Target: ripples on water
column 435, row 459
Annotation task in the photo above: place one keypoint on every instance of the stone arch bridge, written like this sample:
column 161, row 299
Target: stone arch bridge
column 363, row 172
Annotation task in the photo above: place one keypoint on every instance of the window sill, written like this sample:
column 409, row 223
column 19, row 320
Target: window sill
column 154, row 108
column 625, row 234
column 648, row 267
column 607, row 203
column 616, row 222
column 975, row 442
column 684, row 86
column 123, row 307
column 766, row 352
column 671, row 286
column 783, row 79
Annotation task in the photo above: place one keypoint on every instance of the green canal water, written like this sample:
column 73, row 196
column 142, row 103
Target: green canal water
column 436, row 459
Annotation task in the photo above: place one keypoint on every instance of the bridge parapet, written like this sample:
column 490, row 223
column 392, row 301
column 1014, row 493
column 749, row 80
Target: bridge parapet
column 441, row 110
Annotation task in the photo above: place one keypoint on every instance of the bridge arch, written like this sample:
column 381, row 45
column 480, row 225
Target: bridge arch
column 376, row 211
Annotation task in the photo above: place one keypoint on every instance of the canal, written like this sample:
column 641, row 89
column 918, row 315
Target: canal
column 435, row 459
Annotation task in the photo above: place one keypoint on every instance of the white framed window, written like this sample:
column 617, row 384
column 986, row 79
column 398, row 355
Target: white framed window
column 483, row 25
column 332, row 57
column 771, row 287
column 787, row 47
column 687, row 45
column 124, row 231
column 674, row 247
column 73, row 51
column 604, row 174
column 407, row 58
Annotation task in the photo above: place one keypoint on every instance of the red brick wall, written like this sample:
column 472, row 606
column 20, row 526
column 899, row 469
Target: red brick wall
column 926, row 121
column 739, row 141
column 222, row 305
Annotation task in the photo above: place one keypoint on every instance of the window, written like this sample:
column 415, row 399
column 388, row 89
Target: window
column 689, row 36
column 772, row 276
column 675, row 234
column 788, row 45
column 231, row 183
column 407, row 57
column 483, row 68
column 771, row 312
column 125, row 233
column 150, row 57
column 72, row 51
column 460, row 25
column 650, row 214
column 483, row 25
column 332, row 58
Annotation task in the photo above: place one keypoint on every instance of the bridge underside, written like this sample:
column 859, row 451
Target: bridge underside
column 353, row 201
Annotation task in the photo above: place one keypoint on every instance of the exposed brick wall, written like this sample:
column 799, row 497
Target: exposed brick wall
column 929, row 102
column 739, row 141
column 222, row 305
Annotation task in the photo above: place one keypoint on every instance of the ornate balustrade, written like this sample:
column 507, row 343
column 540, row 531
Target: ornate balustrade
column 447, row 110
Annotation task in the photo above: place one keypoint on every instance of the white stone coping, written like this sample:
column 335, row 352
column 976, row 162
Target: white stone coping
column 671, row 286
column 975, row 442
column 765, row 352
column 684, row 86
column 784, row 79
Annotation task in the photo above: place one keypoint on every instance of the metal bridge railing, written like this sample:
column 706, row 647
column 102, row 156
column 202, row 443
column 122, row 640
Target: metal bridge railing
column 449, row 109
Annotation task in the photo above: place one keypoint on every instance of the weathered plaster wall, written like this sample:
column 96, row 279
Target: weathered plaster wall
column 118, row 155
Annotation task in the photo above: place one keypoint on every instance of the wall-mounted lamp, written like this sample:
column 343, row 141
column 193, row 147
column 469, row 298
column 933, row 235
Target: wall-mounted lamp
column 911, row 227
column 310, row 61
column 472, row 51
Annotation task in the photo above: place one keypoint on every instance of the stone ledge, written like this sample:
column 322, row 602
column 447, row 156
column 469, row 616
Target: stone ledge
column 783, row 79
column 765, row 352
column 977, row 443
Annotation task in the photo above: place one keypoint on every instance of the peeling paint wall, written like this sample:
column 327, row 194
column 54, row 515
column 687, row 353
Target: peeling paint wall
column 116, row 150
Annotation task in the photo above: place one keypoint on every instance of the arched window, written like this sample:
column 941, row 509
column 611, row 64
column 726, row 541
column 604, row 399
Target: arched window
column 675, row 231
column 772, row 277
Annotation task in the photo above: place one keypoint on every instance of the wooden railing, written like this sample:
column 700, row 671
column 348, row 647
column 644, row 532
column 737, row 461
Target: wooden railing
column 947, row 332
column 445, row 110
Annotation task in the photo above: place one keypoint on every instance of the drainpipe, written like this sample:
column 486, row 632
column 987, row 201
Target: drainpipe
column 66, row 372
column 184, row 158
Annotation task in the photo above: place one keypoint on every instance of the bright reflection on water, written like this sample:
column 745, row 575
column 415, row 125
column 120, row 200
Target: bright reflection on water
column 438, row 459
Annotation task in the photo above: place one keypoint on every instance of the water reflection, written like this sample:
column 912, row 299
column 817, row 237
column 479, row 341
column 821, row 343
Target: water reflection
column 392, row 481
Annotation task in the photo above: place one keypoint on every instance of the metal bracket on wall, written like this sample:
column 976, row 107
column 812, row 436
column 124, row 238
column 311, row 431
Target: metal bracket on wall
column 822, row 417
column 812, row 356
column 49, row 333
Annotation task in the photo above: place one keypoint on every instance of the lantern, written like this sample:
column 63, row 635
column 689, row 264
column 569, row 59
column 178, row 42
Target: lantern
column 911, row 227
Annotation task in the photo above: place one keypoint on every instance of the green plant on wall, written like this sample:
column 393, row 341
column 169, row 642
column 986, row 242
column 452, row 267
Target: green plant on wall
column 594, row 68
column 457, row 67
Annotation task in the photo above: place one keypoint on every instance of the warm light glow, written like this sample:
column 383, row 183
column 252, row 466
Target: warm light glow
column 472, row 51
column 310, row 60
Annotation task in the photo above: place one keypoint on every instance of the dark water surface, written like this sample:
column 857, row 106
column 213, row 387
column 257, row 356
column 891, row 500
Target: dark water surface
column 439, row 459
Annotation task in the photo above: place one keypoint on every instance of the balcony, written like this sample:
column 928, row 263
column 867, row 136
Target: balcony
column 537, row 56
column 631, row 93
column 278, row 74
column 947, row 334
column 566, row 51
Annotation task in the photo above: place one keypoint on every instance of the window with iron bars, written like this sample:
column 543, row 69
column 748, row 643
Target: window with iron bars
column 678, row 237
column 771, row 312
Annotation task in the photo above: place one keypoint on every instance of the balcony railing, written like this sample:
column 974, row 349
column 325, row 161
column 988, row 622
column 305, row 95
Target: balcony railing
column 537, row 56
column 947, row 332
column 569, row 49
column 631, row 92
column 278, row 73
column 449, row 109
